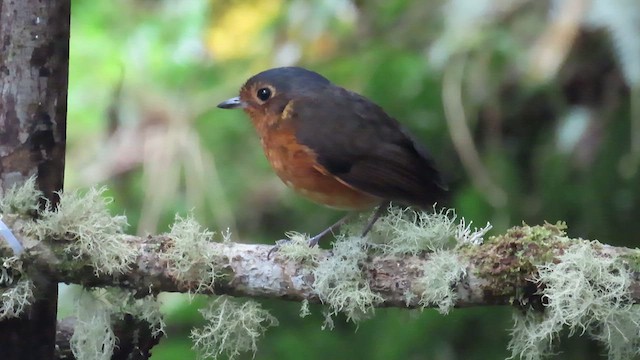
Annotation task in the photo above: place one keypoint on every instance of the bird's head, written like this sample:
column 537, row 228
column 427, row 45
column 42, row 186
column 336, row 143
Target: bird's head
column 265, row 96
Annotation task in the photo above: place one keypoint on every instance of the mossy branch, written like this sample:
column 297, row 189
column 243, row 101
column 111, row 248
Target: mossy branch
column 499, row 272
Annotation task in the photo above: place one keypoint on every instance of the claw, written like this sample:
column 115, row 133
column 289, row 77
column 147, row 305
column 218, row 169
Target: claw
column 315, row 240
column 277, row 246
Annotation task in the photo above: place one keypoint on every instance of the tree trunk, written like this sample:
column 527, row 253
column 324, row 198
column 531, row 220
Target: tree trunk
column 34, row 63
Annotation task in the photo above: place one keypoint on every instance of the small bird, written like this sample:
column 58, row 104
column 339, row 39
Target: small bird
column 335, row 146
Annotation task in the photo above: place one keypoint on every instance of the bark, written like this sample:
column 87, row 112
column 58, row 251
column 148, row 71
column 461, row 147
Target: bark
column 34, row 36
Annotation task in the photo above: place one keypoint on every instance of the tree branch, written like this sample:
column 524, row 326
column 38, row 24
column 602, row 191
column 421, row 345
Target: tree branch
column 499, row 272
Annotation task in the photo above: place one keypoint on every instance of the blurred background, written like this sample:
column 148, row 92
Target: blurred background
column 531, row 109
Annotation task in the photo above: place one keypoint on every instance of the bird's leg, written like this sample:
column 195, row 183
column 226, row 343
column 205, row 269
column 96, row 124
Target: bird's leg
column 316, row 239
column 313, row 241
column 376, row 215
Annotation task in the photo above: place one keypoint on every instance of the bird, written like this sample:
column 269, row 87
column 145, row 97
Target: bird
column 335, row 146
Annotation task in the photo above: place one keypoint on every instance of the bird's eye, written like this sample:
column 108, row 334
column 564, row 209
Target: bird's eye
column 264, row 94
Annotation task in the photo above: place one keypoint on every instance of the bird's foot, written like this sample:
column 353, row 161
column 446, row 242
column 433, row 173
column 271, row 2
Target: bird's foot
column 277, row 246
column 313, row 241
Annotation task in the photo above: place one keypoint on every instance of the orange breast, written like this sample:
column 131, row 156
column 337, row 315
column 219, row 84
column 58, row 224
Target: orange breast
column 296, row 166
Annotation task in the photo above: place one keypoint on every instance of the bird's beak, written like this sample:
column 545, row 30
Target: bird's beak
column 232, row 103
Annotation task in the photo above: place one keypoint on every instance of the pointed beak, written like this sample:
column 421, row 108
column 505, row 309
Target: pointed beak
column 232, row 103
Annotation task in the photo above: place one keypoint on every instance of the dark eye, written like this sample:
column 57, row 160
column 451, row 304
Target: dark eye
column 264, row 94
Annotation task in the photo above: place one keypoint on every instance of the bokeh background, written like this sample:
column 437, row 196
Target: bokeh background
column 531, row 109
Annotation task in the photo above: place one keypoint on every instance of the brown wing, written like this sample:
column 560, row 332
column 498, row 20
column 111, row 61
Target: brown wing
column 356, row 141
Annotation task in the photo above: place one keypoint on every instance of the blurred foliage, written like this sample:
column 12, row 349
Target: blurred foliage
column 530, row 109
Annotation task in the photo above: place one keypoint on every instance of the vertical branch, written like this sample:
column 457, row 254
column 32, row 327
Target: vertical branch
column 34, row 60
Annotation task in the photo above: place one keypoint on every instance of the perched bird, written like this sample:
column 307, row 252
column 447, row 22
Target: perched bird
column 335, row 146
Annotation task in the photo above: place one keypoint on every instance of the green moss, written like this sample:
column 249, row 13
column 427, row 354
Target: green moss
column 507, row 261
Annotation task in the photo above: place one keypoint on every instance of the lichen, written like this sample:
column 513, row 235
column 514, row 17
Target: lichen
column 442, row 272
column 191, row 259
column 232, row 328
column 340, row 282
column 15, row 299
column 586, row 293
column 21, row 199
column 339, row 278
column 304, row 308
column 411, row 232
column 328, row 320
column 297, row 249
column 95, row 311
column 122, row 302
column 83, row 221
column 93, row 337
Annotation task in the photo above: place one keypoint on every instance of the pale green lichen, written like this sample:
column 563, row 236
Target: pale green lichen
column 297, row 249
column 586, row 293
column 442, row 272
column 84, row 222
column 15, row 299
column 95, row 310
column 340, row 283
column 93, row 337
column 411, row 232
column 226, row 236
column 471, row 236
column 328, row 321
column 10, row 266
column 122, row 302
column 526, row 342
column 232, row 328
column 191, row 258
column 304, row 308
column 21, row 199
column 339, row 278
column 15, row 294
